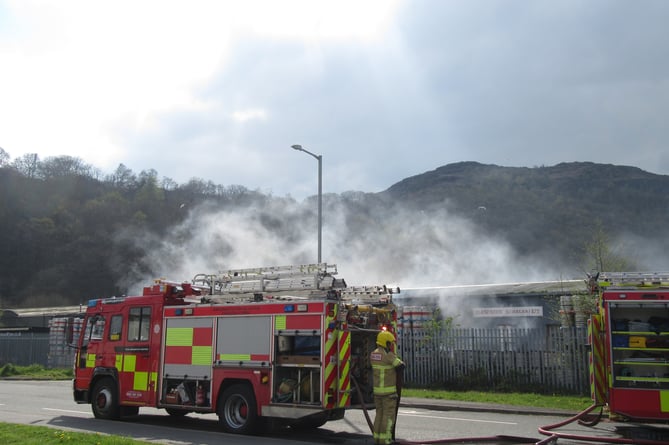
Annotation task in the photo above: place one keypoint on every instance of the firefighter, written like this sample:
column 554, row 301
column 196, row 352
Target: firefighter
column 385, row 366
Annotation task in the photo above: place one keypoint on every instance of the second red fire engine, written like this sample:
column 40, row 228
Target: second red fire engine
column 629, row 336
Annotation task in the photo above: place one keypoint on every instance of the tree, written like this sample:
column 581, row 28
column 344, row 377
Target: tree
column 27, row 165
column 150, row 199
column 150, row 175
column 123, row 178
column 168, row 183
column 58, row 166
column 601, row 255
column 4, row 158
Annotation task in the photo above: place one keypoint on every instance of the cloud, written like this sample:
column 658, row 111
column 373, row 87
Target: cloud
column 383, row 90
column 247, row 115
column 547, row 82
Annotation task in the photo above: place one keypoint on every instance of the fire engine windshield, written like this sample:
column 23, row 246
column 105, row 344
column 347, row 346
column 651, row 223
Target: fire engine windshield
column 95, row 327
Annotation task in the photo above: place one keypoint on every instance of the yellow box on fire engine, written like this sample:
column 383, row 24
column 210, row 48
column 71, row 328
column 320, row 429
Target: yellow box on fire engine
column 637, row 342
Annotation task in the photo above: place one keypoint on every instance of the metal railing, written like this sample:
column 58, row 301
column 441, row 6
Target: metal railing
column 28, row 348
column 551, row 359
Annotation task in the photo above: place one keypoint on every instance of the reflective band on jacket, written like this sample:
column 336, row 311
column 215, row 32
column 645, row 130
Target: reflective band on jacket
column 384, row 375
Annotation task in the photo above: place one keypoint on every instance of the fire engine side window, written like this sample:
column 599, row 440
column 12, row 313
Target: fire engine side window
column 138, row 324
column 115, row 326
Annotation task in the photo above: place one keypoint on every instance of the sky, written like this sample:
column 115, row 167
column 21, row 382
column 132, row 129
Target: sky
column 382, row 89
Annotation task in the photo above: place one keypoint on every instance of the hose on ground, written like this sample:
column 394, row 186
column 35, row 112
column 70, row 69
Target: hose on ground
column 545, row 430
column 553, row 436
column 490, row 439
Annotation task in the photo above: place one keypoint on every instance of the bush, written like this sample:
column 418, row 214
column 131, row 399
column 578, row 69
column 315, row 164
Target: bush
column 8, row 370
column 36, row 371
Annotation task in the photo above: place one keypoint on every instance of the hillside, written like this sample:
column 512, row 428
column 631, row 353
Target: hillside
column 548, row 209
column 67, row 235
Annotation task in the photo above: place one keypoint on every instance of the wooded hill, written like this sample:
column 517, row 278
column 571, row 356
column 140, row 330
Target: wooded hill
column 556, row 210
column 69, row 233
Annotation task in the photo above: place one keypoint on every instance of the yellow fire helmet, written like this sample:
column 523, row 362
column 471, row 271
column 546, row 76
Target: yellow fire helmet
column 384, row 337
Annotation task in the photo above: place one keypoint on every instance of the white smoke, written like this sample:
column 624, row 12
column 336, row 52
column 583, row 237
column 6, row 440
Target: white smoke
column 386, row 245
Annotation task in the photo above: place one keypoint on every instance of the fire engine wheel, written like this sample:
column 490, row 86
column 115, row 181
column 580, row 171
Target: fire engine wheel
column 310, row 422
column 237, row 412
column 129, row 411
column 105, row 400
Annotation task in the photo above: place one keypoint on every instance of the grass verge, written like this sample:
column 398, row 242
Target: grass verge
column 40, row 435
column 15, row 434
column 35, row 372
column 572, row 403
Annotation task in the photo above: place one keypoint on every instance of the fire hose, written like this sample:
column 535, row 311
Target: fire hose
column 554, row 436
column 498, row 439
column 489, row 439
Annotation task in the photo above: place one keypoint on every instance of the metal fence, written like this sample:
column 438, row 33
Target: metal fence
column 52, row 349
column 24, row 349
column 547, row 360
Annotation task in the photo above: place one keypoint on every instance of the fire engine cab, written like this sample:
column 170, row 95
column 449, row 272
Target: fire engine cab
column 629, row 337
column 287, row 343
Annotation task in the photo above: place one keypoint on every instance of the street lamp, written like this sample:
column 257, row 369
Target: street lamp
column 320, row 195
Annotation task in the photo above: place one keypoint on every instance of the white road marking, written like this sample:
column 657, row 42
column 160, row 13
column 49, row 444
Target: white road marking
column 66, row 411
column 414, row 414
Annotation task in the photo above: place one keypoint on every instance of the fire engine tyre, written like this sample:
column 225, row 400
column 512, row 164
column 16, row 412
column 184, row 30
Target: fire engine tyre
column 105, row 400
column 237, row 412
column 175, row 412
column 129, row 411
column 310, row 422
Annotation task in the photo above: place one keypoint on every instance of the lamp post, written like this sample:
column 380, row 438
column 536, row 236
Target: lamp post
column 319, row 158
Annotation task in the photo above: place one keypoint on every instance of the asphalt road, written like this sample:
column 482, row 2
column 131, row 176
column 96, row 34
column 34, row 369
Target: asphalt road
column 50, row 403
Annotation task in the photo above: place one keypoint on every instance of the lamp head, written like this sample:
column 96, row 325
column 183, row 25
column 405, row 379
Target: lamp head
column 297, row 147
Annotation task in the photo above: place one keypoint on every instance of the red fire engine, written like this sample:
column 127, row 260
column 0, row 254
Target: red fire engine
column 281, row 343
column 629, row 337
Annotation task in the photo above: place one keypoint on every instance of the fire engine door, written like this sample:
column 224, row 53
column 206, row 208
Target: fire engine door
column 91, row 353
column 136, row 369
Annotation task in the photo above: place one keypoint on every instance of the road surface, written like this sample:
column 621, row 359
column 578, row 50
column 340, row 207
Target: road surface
column 49, row 403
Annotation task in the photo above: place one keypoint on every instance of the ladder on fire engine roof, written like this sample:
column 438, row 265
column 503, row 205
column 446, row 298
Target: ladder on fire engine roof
column 633, row 279
column 287, row 282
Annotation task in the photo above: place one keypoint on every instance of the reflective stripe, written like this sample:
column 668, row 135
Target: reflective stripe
column 330, row 374
column 201, row 355
column 179, row 337
column 198, row 339
column 235, row 357
column 140, row 381
column 344, row 367
column 129, row 363
column 380, row 382
column 597, row 361
column 383, row 370
column 385, row 437
column 280, row 323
